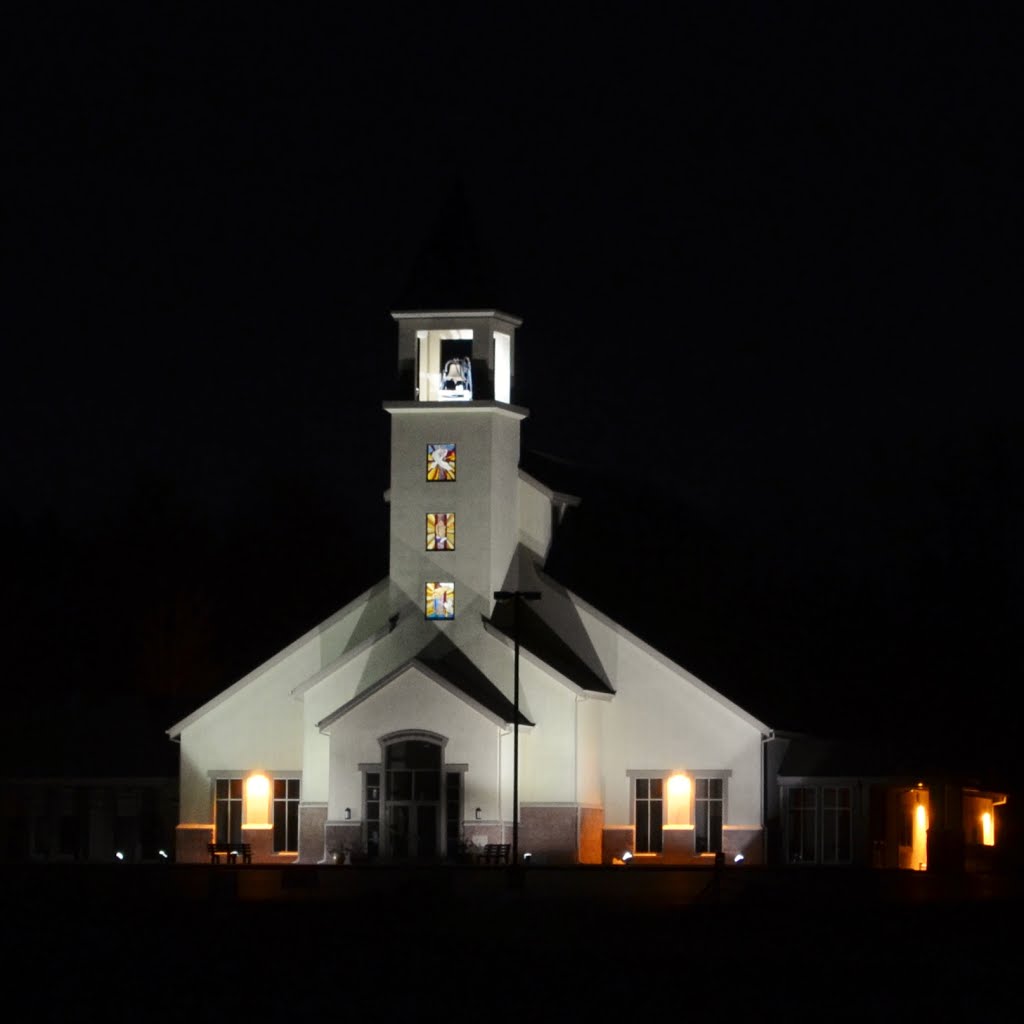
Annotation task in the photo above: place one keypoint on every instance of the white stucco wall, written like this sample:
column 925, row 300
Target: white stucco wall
column 413, row 701
column 257, row 723
column 534, row 518
column 483, row 496
column 661, row 718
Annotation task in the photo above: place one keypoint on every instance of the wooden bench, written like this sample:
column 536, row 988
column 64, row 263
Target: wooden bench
column 494, row 853
column 230, row 852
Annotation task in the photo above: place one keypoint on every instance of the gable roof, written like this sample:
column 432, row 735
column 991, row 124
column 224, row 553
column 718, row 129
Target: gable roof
column 296, row 645
column 657, row 655
column 452, row 670
column 540, row 640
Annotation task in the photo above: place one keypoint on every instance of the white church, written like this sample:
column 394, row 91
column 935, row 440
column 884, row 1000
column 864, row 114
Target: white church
column 389, row 732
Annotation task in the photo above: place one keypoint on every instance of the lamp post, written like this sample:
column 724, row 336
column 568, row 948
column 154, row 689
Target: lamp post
column 516, row 597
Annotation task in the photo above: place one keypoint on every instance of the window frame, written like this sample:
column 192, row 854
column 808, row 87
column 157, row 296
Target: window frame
column 634, row 816
column 288, row 801
column 233, row 831
column 709, row 777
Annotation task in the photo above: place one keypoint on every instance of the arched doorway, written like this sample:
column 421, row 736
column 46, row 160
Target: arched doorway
column 412, row 798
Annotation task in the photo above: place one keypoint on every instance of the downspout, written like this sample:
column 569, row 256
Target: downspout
column 501, row 817
column 576, row 769
column 765, row 740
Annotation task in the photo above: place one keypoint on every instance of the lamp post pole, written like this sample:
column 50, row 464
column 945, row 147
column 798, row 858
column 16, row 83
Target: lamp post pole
column 516, row 597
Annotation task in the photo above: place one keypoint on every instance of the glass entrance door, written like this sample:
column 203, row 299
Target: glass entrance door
column 412, row 799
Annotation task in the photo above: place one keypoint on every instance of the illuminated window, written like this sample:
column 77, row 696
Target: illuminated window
column 228, row 808
column 801, row 824
column 835, row 824
column 440, row 462
column 286, row 815
column 708, row 813
column 440, row 601
column 648, row 813
column 440, row 531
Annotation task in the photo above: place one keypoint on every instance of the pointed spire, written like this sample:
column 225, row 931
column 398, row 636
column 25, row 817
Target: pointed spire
column 453, row 268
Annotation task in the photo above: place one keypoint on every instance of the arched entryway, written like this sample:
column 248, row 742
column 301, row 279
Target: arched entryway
column 414, row 803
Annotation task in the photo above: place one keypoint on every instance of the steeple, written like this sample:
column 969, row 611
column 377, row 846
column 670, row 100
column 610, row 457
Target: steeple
column 454, row 491
column 456, row 356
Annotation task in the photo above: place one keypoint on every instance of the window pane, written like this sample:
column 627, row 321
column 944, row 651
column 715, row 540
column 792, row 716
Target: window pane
column 293, row 789
column 280, row 789
column 642, row 827
column 656, row 788
column 293, row 826
column 843, row 840
column 236, row 789
column 222, row 788
column 400, row 785
column 427, row 785
column 715, row 827
column 641, row 789
column 655, row 825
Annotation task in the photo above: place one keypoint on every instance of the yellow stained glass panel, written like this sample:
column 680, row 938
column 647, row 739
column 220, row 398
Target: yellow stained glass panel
column 440, row 531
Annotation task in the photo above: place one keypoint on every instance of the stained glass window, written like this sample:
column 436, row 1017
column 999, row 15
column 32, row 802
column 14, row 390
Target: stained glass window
column 440, row 462
column 440, row 601
column 440, row 531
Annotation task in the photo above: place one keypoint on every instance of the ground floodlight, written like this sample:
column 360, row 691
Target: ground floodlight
column 527, row 857
column 119, row 855
column 163, row 853
column 738, row 859
column 627, row 856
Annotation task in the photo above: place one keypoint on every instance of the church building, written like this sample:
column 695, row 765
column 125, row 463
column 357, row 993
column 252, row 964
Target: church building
column 389, row 731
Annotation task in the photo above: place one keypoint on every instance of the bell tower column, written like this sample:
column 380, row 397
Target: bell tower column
column 454, row 464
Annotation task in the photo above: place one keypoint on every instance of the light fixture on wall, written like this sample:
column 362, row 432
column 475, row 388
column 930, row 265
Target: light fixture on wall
column 627, row 856
column 478, row 814
column 348, row 813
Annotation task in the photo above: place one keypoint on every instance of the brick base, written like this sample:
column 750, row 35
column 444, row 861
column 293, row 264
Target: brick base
column 591, row 826
column 312, row 819
column 190, row 844
column 548, row 833
column 262, row 842
column 479, row 833
column 748, row 841
column 677, row 844
column 614, row 840
column 340, row 836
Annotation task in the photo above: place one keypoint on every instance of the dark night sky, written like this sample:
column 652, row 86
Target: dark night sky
column 768, row 267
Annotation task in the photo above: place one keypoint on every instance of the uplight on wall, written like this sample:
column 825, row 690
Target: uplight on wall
column 988, row 829
column 679, row 790
column 920, row 848
column 257, row 800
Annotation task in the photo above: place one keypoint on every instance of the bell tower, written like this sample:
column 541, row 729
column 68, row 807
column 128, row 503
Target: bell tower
column 454, row 463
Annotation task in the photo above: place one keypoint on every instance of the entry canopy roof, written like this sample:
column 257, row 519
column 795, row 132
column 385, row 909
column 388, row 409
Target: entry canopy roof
column 540, row 640
column 450, row 668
